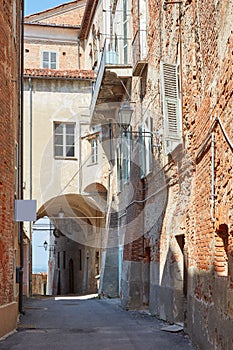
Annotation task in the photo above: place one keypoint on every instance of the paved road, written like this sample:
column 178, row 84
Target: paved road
column 93, row 324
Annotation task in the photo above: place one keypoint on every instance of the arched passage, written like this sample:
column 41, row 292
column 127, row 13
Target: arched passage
column 77, row 222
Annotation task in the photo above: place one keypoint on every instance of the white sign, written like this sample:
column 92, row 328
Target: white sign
column 25, row 210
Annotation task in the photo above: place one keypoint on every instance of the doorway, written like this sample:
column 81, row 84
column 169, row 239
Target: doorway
column 71, row 276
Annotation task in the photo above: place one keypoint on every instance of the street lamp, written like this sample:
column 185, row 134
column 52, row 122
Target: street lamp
column 51, row 249
column 125, row 114
column 45, row 245
column 61, row 213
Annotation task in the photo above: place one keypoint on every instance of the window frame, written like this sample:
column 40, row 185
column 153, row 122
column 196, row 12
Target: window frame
column 145, row 147
column 125, row 32
column 94, row 151
column 49, row 59
column 64, row 143
column 123, row 157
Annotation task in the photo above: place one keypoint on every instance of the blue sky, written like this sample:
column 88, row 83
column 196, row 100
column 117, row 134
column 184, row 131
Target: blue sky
column 39, row 255
column 33, row 6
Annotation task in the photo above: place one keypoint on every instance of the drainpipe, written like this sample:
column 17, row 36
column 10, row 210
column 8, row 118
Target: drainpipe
column 80, row 178
column 212, row 176
column 20, row 141
column 30, row 134
column 30, row 189
column 78, row 52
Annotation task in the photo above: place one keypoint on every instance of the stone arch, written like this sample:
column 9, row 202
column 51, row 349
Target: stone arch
column 98, row 192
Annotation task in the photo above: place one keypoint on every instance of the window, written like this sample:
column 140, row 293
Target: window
column 80, row 260
column 171, row 105
column 221, row 251
column 123, row 160
column 64, row 259
column 119, row 168
column 145, row 147
column 49, row 60
column 64, row 145
column 94, row 151
column 126, row 152
column 125, row 31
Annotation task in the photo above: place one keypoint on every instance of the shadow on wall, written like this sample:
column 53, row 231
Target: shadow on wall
column 210, row 310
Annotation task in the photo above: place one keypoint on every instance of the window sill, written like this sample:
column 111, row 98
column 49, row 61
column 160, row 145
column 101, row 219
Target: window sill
column 65, row 158
column 91, row 164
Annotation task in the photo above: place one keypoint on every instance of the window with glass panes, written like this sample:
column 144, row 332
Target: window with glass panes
column 125, row 31
column 145, row 147
column 64, row 140
column 49, row 59
column 94, row 151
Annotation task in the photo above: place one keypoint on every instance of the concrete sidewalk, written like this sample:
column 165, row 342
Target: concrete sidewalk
column 93, row 324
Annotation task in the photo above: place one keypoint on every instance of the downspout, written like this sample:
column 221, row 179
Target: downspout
column 30, row 189
column 181, row 67
column 212, row 176
column 20, row 140
column 30, row 135
column 80, row 178
column 78, row 52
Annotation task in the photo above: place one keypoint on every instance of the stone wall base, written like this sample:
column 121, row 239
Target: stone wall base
column 8, row 318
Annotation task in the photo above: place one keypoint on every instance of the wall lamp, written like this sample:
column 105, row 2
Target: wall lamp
column 46, row 245
column 61, row 213
column 170, row 3
column 125, row 114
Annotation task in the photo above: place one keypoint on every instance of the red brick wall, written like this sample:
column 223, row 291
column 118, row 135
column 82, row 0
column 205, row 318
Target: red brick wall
column 134, row 250
column 70, row 16
column 207, row 44
column 8, row 132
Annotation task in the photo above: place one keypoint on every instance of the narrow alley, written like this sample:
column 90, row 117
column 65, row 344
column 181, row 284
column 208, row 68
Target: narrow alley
column 68, row 323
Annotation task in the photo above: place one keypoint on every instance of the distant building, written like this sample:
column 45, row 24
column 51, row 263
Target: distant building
column 64, row 161
column 39, row 283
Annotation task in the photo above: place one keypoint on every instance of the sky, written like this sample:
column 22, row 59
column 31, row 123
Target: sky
column 39, row 255
column 33, row 6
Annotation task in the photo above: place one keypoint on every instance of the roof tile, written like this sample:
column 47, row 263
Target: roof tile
column 55, row 73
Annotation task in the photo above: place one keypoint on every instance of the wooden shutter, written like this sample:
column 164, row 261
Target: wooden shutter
column 171, row 102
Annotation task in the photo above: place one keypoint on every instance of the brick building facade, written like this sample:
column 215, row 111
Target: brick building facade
column 175, row 213
column 10, row 83
column 190, row 243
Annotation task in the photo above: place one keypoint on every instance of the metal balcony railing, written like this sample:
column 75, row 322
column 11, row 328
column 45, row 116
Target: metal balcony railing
column 116, row 53
column 139, row 50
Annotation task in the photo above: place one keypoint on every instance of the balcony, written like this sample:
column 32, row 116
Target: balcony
column 139, row 51
column 114, row 72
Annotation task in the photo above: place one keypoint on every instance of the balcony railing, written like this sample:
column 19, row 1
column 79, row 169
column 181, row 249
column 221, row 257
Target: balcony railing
column 139, row 51
column 116, row 54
